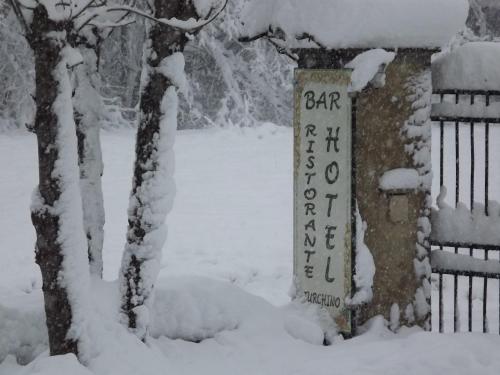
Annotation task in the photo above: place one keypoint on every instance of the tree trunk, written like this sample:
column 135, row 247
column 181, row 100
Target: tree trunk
column 56, row 207
column 88, row 108
column 153, row 186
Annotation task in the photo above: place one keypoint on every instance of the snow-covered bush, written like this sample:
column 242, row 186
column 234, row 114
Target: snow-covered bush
column 16, row 74
column 484, row 17
column 230, row 83
column 234, row 83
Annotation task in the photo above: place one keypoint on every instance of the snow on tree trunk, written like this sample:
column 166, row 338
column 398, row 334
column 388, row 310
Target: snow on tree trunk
column 56, row 207
column 153, row 186
column 88, row 107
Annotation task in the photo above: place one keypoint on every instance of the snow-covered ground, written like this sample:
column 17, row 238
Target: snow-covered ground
column 231, row 220
column 225, row 275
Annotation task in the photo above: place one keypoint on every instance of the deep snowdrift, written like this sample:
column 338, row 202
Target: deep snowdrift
column 472, row 66
column 245, row 334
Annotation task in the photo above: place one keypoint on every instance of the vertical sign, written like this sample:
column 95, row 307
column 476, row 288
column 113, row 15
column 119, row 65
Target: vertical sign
column 322, row 189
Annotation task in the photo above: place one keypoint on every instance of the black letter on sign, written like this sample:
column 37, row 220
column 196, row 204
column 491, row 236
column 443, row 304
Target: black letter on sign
column 310, row 162
column 310, row 102
column 327, row 273
column 335, row 97
column 309, row 177
column 310, row 207
column 330, row 236
column 308, row 254
column 310, row 148
column 310, row 194
column 309, row 271
column 332, row 170
column 310, row 130
column 331, row 138
column 311, row 225
column 309, row 242
column 330, row 198
column 322, row 101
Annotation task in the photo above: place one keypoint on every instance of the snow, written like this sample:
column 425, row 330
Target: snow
column 266, row 339
column 204, row 7
column 172, row 67
column 23, row 332
column 151, row 200
column 358, row 23
column 471, row 66
column 400, row 179
column 72, row 56
column 417, row 135
column 182, row 313
column 56, row 11
column 422, row 302
column 228, row 244
column 88, row 104
column 103, row 14
column 394, row 317
column 196, row 309
column 466, row 232
column 227, row 266
column 74, row 275
column 445, row 260
column 369, row 67
column 462, row 225
column 365, row 266
column 410, row 313
column 189, row 25
column 417, row 130
column 477, row 110
column 63, row 364
column 422, row 268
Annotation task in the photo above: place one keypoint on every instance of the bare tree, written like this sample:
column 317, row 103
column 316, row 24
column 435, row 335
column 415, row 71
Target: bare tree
column 88, row 110
column 153, row 185
column 53, row 28
column 56, row 206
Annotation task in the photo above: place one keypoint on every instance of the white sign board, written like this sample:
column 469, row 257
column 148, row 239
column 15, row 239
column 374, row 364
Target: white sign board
column 322, row 188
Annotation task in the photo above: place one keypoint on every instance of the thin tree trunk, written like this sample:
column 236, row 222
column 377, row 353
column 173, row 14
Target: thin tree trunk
column 88, row 107
column 152, row 190
column 56, row 207
column 128, row 43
